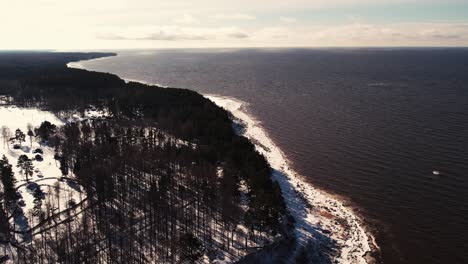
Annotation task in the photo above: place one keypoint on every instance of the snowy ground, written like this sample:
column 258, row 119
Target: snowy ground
column 60, row 190
column 47, row 175
column 320, row 217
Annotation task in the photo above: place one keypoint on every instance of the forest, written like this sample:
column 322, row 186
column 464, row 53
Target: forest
column 162, row 175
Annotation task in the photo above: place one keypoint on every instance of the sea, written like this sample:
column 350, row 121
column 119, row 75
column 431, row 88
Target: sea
column 384, row 129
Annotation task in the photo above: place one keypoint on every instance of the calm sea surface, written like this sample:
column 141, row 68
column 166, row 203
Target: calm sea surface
column 368, row 124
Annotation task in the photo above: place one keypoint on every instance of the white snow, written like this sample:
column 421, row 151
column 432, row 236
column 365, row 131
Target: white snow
column 14, row 117
column 46, row 173
column 128, row 80
column 313, row 209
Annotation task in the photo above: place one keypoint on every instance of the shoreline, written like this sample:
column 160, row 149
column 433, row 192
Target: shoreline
column 320, row 216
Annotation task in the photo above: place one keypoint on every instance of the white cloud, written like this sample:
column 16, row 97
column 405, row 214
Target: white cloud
column 167, row 33
column 403, row 34
column 289, row 20
column 163, row 35
column 238, row 35
column 290, row 35
column 204, row 23
column 172, row 33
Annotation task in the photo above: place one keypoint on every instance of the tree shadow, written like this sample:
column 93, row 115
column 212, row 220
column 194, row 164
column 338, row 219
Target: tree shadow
column 72, row 184
column 26, row 149
column 319, row 246
column 31, row 187
column 22, row 224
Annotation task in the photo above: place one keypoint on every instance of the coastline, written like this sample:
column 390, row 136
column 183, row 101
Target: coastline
column 320, row 217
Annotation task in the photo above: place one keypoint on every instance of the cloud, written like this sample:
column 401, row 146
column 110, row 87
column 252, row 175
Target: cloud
column 207, row 23
column 235, row 16
column 163, row 35
column 442, row 34
column 405, row 34
column 289, row 20
column 238, row 35
column 173, row 33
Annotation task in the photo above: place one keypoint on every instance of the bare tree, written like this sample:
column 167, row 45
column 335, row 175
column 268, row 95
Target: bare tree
column 6, row 134
column 30, row 133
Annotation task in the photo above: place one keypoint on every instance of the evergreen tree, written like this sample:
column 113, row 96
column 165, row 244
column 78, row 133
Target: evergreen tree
column 8, row 180
column 4, row 225
column 45, row 130
column 20, row 137
column 64, row 166
column 191, row 250
column 25, row 165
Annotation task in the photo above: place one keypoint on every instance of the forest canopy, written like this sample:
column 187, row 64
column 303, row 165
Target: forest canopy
column 162, row 170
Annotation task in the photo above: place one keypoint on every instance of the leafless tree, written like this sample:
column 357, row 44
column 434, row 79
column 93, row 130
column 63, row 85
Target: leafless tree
column 6, row 134
column 30, row 133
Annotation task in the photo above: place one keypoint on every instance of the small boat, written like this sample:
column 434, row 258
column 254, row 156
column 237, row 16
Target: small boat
column 436, row 172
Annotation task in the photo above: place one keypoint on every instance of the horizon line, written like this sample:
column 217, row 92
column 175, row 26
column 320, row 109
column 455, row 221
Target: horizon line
column 232, row 47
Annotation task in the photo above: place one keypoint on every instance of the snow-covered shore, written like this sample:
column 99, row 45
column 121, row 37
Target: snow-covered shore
column 319, row 216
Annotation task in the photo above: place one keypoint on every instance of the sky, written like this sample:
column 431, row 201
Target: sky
column 135, row 24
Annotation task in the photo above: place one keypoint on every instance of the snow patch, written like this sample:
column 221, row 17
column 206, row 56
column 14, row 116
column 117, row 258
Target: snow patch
column 15, row 117
column 47, row 176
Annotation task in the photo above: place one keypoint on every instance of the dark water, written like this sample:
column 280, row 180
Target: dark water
column 368, row 124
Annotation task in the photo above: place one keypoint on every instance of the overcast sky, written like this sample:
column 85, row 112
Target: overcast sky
column 125, row 24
